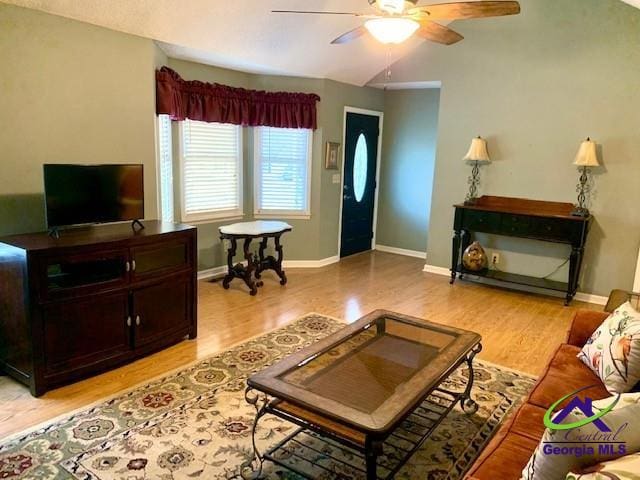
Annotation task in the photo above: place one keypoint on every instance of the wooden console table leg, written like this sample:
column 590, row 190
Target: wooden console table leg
column 250, row 268
column 455, row 255
column 231, row 252
column 278, row 265
column 574, row 273
column 464, row 243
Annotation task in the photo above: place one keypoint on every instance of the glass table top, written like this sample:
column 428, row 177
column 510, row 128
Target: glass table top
column 373, row 368
column 364, row 370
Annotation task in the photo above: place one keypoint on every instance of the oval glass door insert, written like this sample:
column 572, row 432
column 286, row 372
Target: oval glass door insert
column 360, row 168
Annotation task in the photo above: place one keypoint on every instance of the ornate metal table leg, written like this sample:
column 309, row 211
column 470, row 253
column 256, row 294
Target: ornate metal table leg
column 278, row 265
column 261, row 262
column 252, row 468
column 469, row 406
column 231, row 252
column 251, row 266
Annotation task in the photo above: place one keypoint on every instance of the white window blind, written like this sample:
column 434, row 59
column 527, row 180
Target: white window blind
column 282, row 171
column 211, row 171
column 165, row 168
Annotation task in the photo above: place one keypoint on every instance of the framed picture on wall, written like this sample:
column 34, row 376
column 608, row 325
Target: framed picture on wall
column 331, row 156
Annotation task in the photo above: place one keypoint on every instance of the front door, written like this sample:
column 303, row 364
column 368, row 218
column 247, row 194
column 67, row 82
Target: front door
column 358, row 197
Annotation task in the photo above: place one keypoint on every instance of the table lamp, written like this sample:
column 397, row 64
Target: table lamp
column 477, row 155
column 585, row 159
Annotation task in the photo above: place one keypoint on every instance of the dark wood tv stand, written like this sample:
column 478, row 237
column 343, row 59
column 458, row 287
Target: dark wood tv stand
column 94, row 298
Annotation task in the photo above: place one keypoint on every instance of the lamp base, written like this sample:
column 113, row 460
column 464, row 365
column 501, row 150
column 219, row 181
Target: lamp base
column 471, row 201
column 580, row 212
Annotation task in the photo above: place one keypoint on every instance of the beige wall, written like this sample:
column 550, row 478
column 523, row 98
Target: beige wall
column 72, row 92
column 535, row 85
column 69, row 93
column 408, row 161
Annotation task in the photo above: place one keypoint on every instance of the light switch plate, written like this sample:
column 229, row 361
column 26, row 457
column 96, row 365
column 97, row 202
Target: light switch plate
column 335, row 178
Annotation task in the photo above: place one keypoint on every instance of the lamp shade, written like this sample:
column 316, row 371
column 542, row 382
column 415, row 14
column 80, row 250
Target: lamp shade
column 587, row 156
column 477, row 151
column 392, row 29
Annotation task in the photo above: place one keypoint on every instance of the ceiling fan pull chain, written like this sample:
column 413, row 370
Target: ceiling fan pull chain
column 387, row 75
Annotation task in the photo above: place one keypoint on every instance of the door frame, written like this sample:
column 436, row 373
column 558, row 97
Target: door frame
column 373, row 113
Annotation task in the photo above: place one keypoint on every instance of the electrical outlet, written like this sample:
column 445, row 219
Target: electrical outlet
column 495, row 258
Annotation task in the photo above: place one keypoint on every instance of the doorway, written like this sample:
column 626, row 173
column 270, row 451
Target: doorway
column 362, row 130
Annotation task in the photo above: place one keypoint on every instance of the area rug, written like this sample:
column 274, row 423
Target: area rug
column 196, row 424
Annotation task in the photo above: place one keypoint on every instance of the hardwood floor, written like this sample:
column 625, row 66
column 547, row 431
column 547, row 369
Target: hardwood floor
column 519, row 330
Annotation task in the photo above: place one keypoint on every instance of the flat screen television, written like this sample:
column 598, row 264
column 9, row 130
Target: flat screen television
column 86, row 194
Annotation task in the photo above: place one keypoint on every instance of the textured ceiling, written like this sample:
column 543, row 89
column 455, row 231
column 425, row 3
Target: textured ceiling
column 243, row 34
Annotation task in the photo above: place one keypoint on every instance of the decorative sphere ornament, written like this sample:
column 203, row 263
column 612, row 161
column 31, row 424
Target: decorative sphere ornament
column 475, row 258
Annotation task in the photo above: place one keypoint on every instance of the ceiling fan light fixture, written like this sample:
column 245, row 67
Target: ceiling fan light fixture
column 391, row 29
column 391, row 6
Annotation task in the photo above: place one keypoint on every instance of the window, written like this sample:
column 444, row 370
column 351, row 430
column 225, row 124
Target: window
column 360, row 160
column 282, row 172
column 211, row 171
column 165, row 169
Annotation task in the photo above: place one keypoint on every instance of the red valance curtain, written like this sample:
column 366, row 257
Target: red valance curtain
column 212, row 102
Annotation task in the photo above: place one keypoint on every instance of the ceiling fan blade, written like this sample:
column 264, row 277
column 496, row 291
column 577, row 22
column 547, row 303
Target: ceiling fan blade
column 435, row 32
column 464, row 10
column 316, row 13
column 350, row 35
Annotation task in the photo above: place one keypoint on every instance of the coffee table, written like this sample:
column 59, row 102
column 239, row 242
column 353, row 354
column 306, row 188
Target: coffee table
column 373, row 389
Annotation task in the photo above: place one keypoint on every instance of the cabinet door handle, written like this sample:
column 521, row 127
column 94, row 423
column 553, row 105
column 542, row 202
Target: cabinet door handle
column 133, row 265
column 129, row 321
column 127, row 266
column 138, row 320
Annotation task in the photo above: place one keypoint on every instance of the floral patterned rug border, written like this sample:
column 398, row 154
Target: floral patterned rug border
column 75, row 445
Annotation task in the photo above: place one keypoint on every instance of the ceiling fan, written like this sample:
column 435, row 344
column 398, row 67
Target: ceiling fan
column 394, row 21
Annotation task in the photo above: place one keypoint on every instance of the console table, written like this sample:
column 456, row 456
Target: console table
column 517, row 217
column 93, row 298
column 248, row 231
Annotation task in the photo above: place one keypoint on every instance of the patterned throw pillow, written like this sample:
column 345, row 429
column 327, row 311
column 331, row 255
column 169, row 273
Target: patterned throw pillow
column 562, row 451
column 613, row 351
column 624, row 468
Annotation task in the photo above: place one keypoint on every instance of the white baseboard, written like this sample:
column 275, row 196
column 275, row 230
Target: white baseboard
column 212, row 272
column 219, row 271
column 310, row 263
column 401, row 251
column 580, row 296
column 437, row 270
column 589, row 298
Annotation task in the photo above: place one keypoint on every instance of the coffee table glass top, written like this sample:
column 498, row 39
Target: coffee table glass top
column 364, row 370
column 370, row 372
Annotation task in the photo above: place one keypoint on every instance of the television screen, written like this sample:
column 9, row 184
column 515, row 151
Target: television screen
column 80, row 194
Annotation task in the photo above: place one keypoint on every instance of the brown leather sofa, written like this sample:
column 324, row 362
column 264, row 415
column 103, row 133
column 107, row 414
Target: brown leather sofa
column 509, row 451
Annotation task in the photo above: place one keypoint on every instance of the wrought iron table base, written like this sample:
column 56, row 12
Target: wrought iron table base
column 426, row 417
